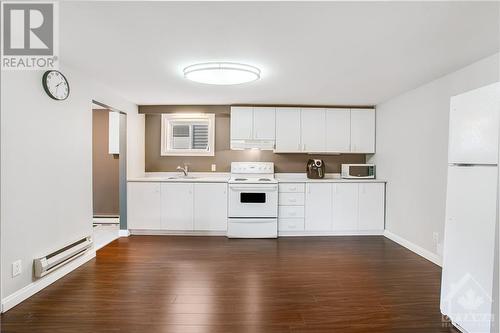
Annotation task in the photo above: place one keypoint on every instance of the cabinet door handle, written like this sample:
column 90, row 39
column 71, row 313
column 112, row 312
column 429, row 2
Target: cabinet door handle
column 293, row 200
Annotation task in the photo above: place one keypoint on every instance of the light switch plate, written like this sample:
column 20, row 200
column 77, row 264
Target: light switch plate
column 16, row 268
column 214, row 167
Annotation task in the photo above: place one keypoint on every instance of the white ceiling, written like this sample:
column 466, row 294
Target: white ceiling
column 349, row 53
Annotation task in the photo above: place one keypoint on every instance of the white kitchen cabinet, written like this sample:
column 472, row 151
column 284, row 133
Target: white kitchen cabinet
column 113, row 132
column 177, row 206
column 291, row 199
column 264, row 123
column 288, row 130
column 371, row 206
column 210, row 206
column 291, row 211
column 291, row 224
column 143, row 205
column 318, row 207
column 345, row 207
column 338, row 130
column 363, row 131
column 241, row 123
column 313, row 133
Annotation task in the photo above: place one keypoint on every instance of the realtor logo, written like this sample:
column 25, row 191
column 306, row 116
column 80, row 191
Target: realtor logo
column 29, row 31
column 469, row 304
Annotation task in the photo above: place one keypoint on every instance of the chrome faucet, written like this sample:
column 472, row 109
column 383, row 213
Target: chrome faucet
column 184, row 170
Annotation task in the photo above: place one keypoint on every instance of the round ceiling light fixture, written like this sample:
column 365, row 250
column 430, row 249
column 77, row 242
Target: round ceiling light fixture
column 221, row 73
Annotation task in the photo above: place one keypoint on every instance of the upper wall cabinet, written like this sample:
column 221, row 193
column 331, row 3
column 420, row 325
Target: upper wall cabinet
column 363, row 131
column 313, row 130
column 253, row 127
column 304, row 130
column 338, row 130
column 264, row 123
column 288, row 130
column 241, row 123
column 114, row 132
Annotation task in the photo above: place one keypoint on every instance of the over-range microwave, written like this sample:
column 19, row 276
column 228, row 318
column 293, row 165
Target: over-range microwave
column 358, row 171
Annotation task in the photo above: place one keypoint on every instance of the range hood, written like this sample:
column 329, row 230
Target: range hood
column 252, row 144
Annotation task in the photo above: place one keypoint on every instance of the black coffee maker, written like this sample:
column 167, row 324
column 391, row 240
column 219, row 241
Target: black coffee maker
column 315, row 169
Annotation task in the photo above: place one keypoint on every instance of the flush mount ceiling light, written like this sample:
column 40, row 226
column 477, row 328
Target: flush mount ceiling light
column 221, row 73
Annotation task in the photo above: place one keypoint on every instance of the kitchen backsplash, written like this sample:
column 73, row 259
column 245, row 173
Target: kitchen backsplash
column 223, row 155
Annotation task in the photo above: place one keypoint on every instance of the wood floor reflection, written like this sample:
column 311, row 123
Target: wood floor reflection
column 213, row 284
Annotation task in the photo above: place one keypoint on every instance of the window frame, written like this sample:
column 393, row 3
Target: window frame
column 166, row 134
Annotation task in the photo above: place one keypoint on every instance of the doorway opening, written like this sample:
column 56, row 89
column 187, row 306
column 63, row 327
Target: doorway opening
column 108, row 172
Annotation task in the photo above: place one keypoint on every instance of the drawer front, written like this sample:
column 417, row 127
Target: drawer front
column 291, row 199
column 291, row 224
column 291, row 211
column 292, row 187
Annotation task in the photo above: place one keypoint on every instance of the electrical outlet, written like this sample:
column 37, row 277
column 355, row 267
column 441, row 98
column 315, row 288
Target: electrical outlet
column 16, row 268
column 214, row 167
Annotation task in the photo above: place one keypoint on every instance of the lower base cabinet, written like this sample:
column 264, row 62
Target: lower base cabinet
column 178, row 206
column 143, row 205
column 371, row 214
column 315, row 208
column 210, row 206
column 345, row 207
column 318, row 207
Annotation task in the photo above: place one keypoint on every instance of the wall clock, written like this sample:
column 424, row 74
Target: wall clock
column 55, row 85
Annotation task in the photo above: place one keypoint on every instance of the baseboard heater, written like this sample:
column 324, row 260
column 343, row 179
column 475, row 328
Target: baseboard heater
column 56, row 259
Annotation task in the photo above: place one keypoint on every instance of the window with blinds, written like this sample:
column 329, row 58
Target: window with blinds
column 188, row 135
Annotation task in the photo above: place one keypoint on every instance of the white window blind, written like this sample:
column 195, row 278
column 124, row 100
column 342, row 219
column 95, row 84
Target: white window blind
column 188, row 135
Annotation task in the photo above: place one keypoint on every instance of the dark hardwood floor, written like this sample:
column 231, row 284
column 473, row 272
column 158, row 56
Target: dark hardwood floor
column 213, row 284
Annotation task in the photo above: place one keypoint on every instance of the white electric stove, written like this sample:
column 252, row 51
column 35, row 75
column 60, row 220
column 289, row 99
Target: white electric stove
column 253, row 201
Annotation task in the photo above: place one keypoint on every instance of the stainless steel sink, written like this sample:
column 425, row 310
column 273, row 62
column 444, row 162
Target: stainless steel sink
column 182, row 177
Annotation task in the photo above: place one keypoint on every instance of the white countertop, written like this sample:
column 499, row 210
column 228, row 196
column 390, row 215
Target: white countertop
column 223, row 177
column 197, row 177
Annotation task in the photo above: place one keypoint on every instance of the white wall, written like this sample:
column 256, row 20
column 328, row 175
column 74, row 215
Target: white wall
column 412, row 147
column 46, row 166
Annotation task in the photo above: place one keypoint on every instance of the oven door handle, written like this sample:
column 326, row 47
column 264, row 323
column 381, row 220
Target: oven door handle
column 255, row 188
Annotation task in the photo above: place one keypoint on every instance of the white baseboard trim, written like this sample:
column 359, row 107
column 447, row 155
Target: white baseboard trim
column 176, row 233
column 106, row 220
column 123, row 233
column 17, row 297
column 329, row 233
column 432, row 257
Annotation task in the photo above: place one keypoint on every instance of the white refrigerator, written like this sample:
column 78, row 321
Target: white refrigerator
column 469, row 257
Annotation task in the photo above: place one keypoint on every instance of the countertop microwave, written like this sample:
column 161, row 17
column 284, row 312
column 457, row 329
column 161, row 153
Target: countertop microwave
column 358, row 171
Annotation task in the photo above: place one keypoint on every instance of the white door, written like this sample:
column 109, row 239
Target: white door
column 363, row 130
column 371, row 206
column 177, row 206
column 473, row 136
column 288, row 130
column 318, row 207
column 241, row 123
column 264, row 123
column 345, row 207
column 143, row 205
column 210, row 206
column 338, row 130
column 313, row 129
column 468, row 260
